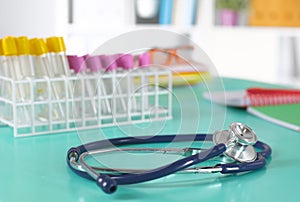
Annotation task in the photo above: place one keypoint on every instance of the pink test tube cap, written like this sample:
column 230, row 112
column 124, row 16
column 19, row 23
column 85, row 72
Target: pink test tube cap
column 77, row 63
column 109, row 62
column 117, row 56
column 93, row 63
column 126, row 61
column 144, row 60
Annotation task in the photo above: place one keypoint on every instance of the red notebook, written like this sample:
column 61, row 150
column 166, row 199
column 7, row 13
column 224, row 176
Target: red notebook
column 254, row 97
column 279, row 106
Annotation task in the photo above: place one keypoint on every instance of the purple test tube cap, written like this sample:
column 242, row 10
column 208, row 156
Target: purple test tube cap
column 126, row 61
column 93, row 63
column 77, row 63
column 109, row 62
column 144, row 60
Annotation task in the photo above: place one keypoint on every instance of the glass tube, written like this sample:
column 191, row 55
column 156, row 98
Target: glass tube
column 79, row 65
column 12, row 69
column 112, row 85
column 59, row 59
column 126, row 63
column 44, row 69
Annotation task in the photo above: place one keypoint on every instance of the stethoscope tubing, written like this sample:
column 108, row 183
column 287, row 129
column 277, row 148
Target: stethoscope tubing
column 227, row 168
column 131, row 178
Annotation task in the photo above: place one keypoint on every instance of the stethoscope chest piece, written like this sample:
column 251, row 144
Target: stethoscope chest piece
column 239, row 140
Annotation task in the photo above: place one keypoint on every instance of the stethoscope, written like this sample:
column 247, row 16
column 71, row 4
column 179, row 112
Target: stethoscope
column 239, row 144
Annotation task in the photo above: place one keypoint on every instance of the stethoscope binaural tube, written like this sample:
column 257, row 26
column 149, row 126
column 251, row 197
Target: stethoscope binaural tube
column 108, row 182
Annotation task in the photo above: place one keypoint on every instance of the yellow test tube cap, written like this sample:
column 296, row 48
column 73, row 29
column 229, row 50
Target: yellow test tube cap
column 56, row 44
column 23, row 45
column 38, row 46
column 9, row 46
column 1, row 48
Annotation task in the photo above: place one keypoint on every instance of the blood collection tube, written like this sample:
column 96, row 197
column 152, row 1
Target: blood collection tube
column 25, row 61
column 126, row 63
column 24, row 56
column 78, row 64
column 5, row 86
column 12, row 70
column 11, row 64
column 110, row 66
column 44, row 69
column 144, row 61
column 1, row 68
column 94, row 66
column 1, row 56
column 57, row 48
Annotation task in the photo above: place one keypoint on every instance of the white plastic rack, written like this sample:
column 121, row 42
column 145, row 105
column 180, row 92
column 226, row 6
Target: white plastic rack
column 36, row 106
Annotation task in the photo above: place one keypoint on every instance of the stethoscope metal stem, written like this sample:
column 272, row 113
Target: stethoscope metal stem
column 86, row 167
column 93, row 173
column 184, row 152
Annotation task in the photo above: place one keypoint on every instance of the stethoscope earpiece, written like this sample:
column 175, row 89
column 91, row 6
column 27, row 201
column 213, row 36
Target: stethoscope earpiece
column 239, row 140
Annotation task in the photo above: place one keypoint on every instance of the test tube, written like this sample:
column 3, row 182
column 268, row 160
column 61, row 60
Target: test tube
column 109, row 62
column 24, row 56
column 126, row 62
column 2, row 71
column 79, row 65
column 144, row 62
column 56, row 46
column 12, row 69
column 94, row 65
column 25, row 61
column 3, row 84
column 11, row 63
column 44, row 69
column 1, row 55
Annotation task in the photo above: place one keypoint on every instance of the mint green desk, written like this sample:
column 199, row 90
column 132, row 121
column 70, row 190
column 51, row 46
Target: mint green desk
column 34, row 168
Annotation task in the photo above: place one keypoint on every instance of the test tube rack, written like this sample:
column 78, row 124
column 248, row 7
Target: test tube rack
column 33, row 115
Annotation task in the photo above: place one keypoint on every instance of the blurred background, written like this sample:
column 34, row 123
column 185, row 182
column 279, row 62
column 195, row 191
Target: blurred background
column 249, row 39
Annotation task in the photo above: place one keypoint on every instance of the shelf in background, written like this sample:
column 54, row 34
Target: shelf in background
column 284, row 31
column 91, row 29
column 251, row 52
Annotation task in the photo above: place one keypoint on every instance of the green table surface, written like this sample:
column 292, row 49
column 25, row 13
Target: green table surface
column 35, row 169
